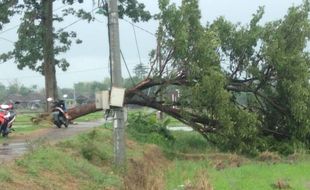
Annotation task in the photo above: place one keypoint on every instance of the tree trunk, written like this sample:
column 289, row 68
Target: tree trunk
column 48, row 51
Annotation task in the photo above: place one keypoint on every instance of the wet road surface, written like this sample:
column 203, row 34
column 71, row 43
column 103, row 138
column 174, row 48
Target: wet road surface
column 13, row 148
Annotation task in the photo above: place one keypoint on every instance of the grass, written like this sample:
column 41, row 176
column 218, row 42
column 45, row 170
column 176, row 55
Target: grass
column 197, row 165
column 91, row 117
column 187, row 162
column 182, row 172
column 262, row 176
column 57, row 162
column 83, row 161
column 23, row 124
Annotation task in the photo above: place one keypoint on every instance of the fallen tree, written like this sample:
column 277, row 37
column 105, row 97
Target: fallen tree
column 245, row 88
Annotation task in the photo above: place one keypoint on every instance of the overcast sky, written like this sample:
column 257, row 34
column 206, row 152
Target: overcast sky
column 89, row 60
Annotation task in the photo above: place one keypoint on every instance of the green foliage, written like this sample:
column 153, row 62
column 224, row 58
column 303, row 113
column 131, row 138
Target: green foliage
column 130, row 8
column 250, row 81
column 90, row 147
column 6, row 10
column 48, row 159
column 147, row 129
column 140, row 71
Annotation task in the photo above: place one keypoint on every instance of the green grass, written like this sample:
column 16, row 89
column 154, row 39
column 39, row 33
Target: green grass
column 188, row 146
column 85, row 158
column 91, row 117
column 262, row 176
column 25, row 128
column 23, row 124
column 5, row 175
column 57, row 162
column 24, row 118
column 182, row 172
column 88, row 158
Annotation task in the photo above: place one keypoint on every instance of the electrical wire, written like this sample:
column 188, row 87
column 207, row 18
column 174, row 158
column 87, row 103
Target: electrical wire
column 143, row 29
column 65, row 27
column 9, row 29
column 12, row 28
column 133, row 83
column 58, row 74
column 5, row 39
column 137, row 45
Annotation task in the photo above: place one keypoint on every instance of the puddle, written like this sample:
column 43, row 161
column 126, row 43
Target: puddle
column 182, row 128
column 12, row 150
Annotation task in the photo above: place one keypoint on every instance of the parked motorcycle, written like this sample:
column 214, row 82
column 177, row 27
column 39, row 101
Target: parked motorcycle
column 7, row 117
column 59, row 113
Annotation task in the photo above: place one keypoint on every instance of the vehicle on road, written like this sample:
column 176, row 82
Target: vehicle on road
column 7, row 117
column 60, row 115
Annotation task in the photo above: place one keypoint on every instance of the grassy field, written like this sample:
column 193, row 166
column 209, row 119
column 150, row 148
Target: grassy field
column 153, row 162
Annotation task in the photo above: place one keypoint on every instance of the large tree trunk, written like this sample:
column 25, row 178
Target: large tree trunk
column 135, row 96
column 48, row 51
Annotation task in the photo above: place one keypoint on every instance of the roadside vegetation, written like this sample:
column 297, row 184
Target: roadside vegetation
column 23, row 124
column 156, row 159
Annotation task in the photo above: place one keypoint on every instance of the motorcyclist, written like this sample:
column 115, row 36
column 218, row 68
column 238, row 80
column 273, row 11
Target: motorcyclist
column 5, row 118
column 59, row 112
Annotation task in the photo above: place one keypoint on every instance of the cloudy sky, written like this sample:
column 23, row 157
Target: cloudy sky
column 89, row 60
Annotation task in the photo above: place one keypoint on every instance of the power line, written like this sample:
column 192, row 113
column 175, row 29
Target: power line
column 81, row 71
column 59, row 8
column 77, row 20
column 5, row 39
column 12, row 28
column 136, row 26
column 65, row 73
column 9, row 29
column 143, row 29
column 127, row 68
column 137, row 45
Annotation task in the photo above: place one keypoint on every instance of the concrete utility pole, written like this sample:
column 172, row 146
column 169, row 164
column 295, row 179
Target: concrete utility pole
column 115, row 59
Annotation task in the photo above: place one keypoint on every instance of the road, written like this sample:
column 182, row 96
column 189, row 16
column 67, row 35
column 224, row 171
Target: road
column 14, row 147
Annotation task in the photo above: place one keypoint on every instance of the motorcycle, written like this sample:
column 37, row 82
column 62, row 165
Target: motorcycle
column 60, row 115
column 7, row 117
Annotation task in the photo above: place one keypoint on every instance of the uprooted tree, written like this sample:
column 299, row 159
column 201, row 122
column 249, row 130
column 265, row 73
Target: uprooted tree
column 244, row 88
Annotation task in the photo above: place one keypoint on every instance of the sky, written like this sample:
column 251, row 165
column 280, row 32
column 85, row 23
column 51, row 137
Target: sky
column 89, row 60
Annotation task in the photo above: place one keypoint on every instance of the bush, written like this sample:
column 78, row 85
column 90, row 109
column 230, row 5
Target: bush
column 147, row 129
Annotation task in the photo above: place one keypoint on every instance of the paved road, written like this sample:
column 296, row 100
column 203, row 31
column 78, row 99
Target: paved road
column 17, row 146
column 14, row 147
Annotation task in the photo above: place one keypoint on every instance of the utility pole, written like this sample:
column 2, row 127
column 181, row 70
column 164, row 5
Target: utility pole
column 159, row 59
column 115, row 60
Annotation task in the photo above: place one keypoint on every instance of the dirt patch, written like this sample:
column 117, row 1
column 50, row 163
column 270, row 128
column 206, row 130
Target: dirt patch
column 201, row 182
column 44, row 180
column 269, row 157
column 186, row 156
column 147, row 172
column 308, row 185
column 221, row 161
column 281, row 184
